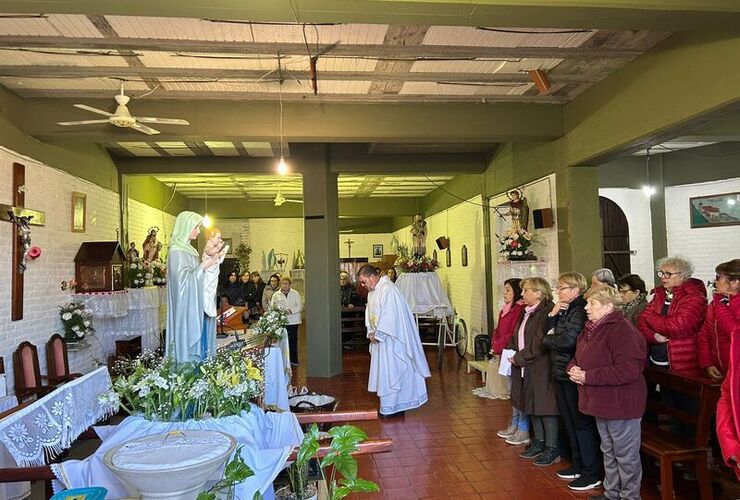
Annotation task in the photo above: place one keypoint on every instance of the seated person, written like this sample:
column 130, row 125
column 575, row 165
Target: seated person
column 348, row 294
column 603, row 276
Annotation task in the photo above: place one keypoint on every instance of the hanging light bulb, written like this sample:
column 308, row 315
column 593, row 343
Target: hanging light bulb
column 282, row 167
column 647, row 189
column 207, row 222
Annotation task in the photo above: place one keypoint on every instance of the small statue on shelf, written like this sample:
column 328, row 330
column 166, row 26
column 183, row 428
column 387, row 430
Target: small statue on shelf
column 518, row 209
column 133, row 254
column 419, row 235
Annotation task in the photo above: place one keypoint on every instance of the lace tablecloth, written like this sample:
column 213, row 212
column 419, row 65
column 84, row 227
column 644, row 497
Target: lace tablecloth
column 425, row 294
column 104, row 304
column 126, row 314
column 48, row 426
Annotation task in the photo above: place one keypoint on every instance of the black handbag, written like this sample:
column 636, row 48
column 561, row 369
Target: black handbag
column 482, row 345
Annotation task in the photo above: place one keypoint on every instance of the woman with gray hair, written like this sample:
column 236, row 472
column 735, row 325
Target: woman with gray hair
column 603, row 276
column 672, row 320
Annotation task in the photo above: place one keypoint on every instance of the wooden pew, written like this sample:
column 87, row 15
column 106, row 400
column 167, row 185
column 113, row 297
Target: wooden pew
column 353, row 326
column 667, row 448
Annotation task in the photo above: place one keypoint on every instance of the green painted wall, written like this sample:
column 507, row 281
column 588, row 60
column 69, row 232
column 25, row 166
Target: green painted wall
column 150, row 191
column 456, row 190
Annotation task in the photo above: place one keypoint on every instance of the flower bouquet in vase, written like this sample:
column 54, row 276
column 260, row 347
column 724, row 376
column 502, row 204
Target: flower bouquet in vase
column 77, row 321
column 159, row 273
column 515, row 244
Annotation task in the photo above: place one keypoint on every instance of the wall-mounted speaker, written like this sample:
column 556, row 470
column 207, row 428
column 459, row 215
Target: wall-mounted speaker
column 443, row 243
column 542, row 218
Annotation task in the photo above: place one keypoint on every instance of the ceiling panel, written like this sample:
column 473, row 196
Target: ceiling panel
column 466, row 35
column 48, row 25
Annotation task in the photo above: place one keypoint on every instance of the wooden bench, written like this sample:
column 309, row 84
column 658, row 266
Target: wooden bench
column 354, row 332
column 668, row 448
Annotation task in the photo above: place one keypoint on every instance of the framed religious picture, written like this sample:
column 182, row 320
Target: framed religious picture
column 377, row 251
column 79, row 208
column 229, row 242
column 715, row 210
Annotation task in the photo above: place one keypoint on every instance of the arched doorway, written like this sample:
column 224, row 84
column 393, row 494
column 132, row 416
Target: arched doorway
column 616, row 237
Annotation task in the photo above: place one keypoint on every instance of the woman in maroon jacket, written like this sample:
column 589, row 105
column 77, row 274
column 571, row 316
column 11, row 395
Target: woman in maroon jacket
column 608, row 366
column 715, row 333
column 672, row 320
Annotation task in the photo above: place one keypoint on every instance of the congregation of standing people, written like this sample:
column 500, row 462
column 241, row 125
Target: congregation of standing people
column 579, row 353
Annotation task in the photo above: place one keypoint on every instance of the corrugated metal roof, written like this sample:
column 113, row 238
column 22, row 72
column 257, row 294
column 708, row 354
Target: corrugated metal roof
column 49, row 25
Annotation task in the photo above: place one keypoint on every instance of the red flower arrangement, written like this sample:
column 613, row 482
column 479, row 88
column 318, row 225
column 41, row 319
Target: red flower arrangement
column 418, row 265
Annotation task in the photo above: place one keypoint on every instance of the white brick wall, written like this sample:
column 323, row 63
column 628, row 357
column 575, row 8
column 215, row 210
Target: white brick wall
column 465, row 286
column 704, row 247
column 636, row 207
column 141, row 217
column 50, row 191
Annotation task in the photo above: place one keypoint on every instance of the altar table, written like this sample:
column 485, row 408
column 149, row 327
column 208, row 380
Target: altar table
column 11, row 491
column 425, row 294
column 127, row 313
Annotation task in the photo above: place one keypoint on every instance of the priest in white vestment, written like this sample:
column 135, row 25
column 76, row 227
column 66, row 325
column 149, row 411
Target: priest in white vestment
column 398, row 365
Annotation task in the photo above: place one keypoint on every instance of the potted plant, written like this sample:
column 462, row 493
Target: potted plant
column 236, row 472
column 242, row 255
column 343, row 480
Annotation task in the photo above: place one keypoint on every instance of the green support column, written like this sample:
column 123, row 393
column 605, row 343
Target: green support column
column 579, row 224
column 321, row 216
column 657, row 211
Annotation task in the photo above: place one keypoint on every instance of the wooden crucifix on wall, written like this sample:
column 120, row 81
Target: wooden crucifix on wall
column 21, row 217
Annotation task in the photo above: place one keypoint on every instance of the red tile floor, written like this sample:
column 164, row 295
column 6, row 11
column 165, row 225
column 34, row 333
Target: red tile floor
column 448, row 448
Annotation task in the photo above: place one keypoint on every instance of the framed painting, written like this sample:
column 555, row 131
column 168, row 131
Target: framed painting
column 79, row 208
column 377, row 251
column 715, row 210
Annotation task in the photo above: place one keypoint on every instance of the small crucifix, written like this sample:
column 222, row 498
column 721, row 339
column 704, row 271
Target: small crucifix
column 349, row 247
column 20, row 217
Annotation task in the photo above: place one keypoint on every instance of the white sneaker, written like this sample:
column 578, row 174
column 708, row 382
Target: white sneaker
column 519, row 437
column 508, row 432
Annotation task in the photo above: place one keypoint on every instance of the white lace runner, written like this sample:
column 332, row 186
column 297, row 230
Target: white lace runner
column 105, row 304
column 126, row 314
column 48, row 426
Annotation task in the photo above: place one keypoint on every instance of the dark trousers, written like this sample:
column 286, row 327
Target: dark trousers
column 582, row 431
column 293, row 342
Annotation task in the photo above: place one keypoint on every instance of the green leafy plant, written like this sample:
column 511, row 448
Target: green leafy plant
column 343, row 480
column 235, row 472
column 242, row 253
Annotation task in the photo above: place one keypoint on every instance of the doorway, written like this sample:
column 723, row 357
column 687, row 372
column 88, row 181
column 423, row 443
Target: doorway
column 616, row 237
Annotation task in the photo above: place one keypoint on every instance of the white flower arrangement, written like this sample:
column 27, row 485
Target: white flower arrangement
column 161, row 389
column 272, row 323
column 515, row 244
column 77, row 321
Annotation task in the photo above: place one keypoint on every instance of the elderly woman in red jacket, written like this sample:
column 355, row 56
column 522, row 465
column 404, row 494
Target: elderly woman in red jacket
column 715, row 333
column 672, row 320
column 608, row 366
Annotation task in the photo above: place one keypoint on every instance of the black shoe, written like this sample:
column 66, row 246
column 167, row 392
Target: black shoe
column 534, row 450
column 392, row 415
column 571, row 473
column 584, row 483
column 550, row 456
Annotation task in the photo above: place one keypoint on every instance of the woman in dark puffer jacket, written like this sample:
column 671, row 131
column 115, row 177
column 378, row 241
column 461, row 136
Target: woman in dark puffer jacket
column 564, row 324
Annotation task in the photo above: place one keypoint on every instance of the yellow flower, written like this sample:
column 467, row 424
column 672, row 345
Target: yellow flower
column 254, row 373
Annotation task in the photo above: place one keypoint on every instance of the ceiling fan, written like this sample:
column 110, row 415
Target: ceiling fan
column 280, row 199
column 123, row 118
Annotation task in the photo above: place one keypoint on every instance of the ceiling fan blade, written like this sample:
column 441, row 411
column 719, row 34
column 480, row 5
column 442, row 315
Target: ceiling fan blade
column 145, row 129
column 82, row 122
column 162, row 121
column 92, row 110
column 293, row 201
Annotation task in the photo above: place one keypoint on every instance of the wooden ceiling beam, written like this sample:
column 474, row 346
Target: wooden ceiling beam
column 328, row 50
column 210, row 74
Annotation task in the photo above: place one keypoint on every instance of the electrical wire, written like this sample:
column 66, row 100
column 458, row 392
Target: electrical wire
column 441, row 188
column 694, row 155
column 535, row 32
column 267, row 23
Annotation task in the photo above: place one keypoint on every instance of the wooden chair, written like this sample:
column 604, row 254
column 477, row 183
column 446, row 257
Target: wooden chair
column 28, row 379
column 668, row 448
column 57, row 362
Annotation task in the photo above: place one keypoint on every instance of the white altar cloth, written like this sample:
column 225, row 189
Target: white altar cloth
column 425, row 294
column 49, row 425
column 11, row 491
column 267, row 440
column 125, row 314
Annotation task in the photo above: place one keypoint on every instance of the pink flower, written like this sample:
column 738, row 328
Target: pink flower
column 34, row 252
